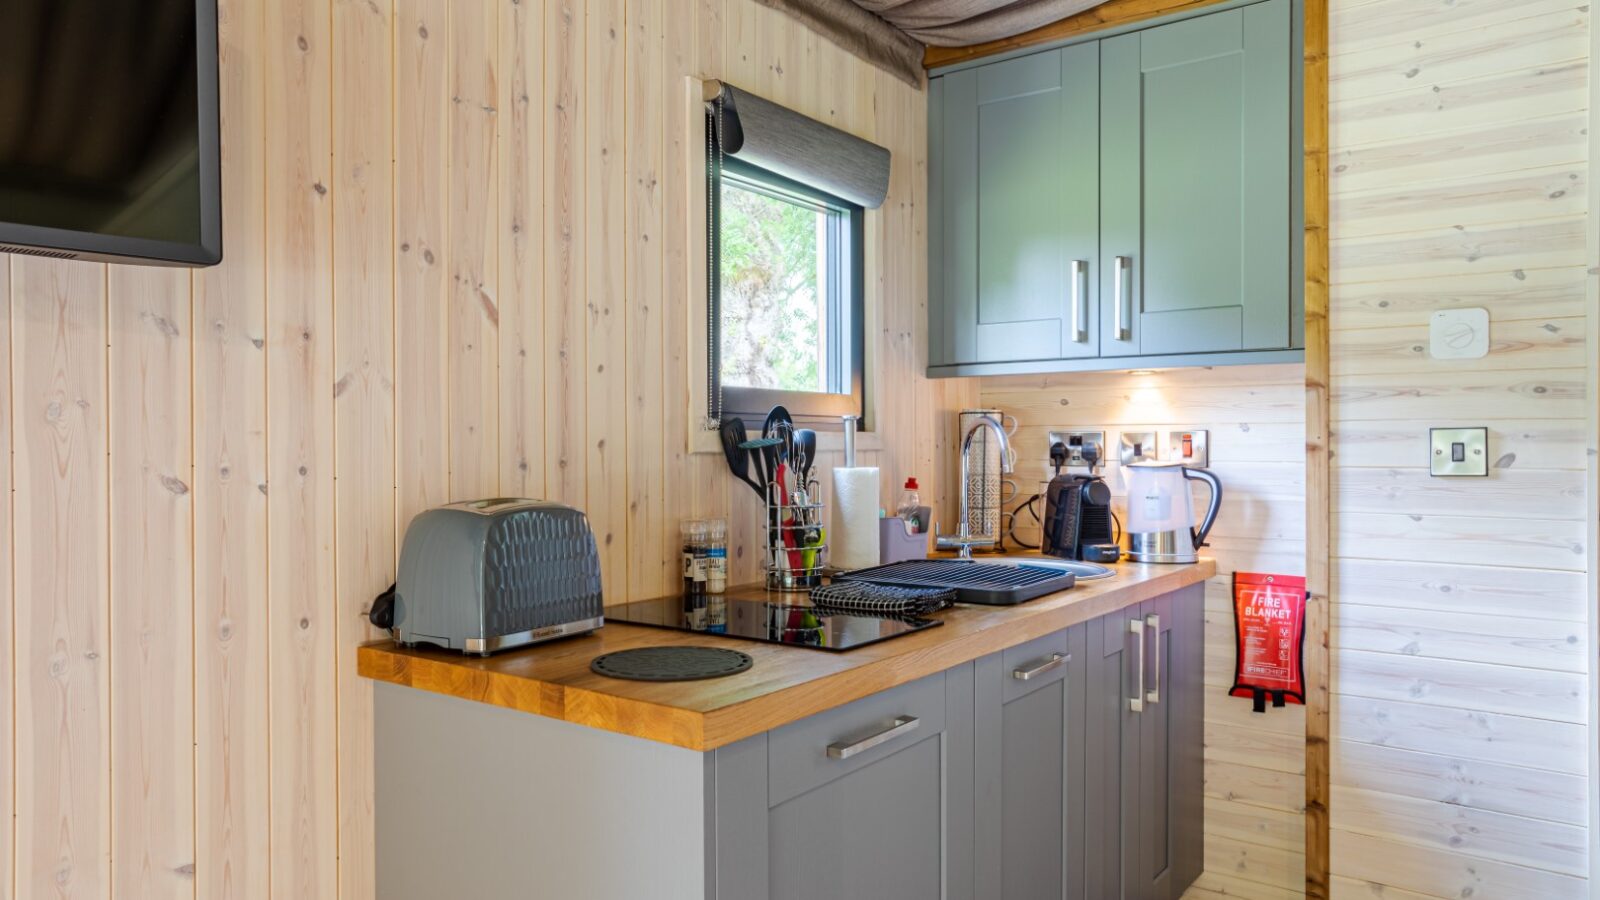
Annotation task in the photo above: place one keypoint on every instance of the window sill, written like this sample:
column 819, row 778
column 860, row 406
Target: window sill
column 827, row 442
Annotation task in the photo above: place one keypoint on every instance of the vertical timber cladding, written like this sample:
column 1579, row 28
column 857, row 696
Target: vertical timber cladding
column 442, row 218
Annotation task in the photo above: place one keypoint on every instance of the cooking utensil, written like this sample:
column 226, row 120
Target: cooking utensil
column 805, row 450
column 780, row 424
column 733, row 437
column 764, row 463
column 787, row 518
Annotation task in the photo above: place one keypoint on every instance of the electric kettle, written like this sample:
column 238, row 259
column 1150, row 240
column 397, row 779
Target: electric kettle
column 1161, row 511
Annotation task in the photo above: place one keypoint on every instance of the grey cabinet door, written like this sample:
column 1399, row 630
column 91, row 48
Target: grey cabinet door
column 890, row 821
column 1168, row 800
column 1029, row 744
column 1196, row 243
column 1017, row 187
column 1112, row 760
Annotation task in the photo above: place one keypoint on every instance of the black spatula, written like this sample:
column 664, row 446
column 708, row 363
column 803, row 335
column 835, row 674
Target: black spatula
column 733, row 434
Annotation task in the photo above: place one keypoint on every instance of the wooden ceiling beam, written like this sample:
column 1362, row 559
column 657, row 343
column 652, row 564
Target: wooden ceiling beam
column 1107, row 15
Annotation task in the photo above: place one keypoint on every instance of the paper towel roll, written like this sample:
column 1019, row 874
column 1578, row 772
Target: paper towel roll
column 853, row 539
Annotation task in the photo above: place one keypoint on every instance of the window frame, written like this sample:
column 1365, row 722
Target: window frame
column 846, row 242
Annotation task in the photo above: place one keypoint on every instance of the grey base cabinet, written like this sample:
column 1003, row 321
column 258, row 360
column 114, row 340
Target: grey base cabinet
column 873, row 799
column 1029, row 769
column 1024, row 775
column 1145, row 724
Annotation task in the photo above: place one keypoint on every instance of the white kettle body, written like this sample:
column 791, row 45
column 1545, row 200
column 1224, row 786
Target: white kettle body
column 1161, row 512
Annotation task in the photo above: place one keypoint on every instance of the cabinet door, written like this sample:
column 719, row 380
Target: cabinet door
column 883, row 814
column 1112, row 761
column 1196, row 241
column 1018, row 208
column 1170, row 783
column 1029, row 753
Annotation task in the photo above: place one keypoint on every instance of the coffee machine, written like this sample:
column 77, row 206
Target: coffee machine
column 1077, row 515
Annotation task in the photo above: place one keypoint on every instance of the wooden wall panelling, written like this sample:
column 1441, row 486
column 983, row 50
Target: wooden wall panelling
column 299, row 347
column 397, row 174
column 473, row 270
column 1462, row 657
column 63, row 685
column 566, row 347
column 603, row 323
column 230, row 493
column 8, row 642
column 365, row 532
column 1318, row 448
column 1372, row 862
column 421, row 233
column 151, row 566
column 521, row 254
column 650, row 101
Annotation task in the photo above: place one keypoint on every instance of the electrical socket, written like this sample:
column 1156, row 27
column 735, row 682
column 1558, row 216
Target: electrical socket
column 1075, row 442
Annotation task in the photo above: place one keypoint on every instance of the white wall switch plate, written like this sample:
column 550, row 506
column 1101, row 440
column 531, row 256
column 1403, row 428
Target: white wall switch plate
column 1459, row 334
column 1189, row 448
column 1459, row 452
column 1137, row 446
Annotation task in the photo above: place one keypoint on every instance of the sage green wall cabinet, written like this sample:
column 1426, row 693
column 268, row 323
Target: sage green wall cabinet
column 1151, row 175
column 1144, row 725
column 1194, row 204
column 1016, row 161
column 1029, row 747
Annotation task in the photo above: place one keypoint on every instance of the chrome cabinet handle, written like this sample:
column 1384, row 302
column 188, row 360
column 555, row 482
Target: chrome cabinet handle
column 1056, row 661
column 1136, row 702
column 1080, row 301
column 1122, row 287
column 1152, row 623
column 902, row 725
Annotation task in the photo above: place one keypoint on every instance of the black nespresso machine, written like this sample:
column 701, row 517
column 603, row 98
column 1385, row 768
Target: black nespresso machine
column 1077, row 516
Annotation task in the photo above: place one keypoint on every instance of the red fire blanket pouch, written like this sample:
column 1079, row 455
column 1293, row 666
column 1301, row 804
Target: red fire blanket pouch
column 1269, row 624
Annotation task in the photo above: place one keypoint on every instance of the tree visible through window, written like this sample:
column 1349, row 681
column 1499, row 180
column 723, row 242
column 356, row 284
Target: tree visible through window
column 787, row 294
column 773, row 292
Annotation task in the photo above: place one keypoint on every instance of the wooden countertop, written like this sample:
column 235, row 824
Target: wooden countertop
column 785, row 684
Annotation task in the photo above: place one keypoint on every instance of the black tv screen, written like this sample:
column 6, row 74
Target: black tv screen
column 108, row 130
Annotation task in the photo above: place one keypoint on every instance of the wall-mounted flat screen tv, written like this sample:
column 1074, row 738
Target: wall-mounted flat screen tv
column 108, row 130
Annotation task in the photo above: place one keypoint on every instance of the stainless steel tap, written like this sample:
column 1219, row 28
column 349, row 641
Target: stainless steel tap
column 963, row 538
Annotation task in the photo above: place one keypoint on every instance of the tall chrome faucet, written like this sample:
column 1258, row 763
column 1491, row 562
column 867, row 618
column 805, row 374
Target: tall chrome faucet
column 963, row 538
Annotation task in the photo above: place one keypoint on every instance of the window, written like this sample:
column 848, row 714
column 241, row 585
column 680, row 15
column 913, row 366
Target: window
column 785, row 278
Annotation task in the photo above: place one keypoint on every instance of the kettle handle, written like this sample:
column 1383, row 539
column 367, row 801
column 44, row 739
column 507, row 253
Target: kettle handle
column 1199, row 535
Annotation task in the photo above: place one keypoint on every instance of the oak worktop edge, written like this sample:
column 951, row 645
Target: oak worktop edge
column 786, row 684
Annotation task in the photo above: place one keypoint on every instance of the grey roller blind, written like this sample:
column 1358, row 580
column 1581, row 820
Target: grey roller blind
column 787, row 143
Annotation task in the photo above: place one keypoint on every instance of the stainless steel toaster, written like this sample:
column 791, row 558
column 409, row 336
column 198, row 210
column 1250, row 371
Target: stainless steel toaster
column 487, row 575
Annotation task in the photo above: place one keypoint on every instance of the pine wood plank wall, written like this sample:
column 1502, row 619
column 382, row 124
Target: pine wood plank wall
column 1254, row 764
column 1461, row 653
column 457, row 265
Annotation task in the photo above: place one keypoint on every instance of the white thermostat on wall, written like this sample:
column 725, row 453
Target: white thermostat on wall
column 1459, row 333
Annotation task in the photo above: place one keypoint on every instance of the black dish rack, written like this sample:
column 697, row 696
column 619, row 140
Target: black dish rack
column 985, row 585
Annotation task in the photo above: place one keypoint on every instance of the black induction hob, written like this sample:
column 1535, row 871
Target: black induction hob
column 782, row 619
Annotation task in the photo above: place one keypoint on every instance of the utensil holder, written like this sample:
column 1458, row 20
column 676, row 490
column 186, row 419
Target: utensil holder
column 796, row 545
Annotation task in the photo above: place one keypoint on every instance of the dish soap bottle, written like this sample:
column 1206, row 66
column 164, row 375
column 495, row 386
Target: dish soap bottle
column 910, row 506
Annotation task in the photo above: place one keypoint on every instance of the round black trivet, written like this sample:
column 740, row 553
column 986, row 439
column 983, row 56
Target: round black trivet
column 671, row 663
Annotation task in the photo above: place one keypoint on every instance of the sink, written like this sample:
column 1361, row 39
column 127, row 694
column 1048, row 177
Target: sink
column 1085, row 571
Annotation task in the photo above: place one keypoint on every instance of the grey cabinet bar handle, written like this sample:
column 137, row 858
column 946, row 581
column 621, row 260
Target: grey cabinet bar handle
column 1122, row 287
column 1080, row 301
column 1136, row 702
column 1056, row 661
column 1152, row 623
column 902, row 725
